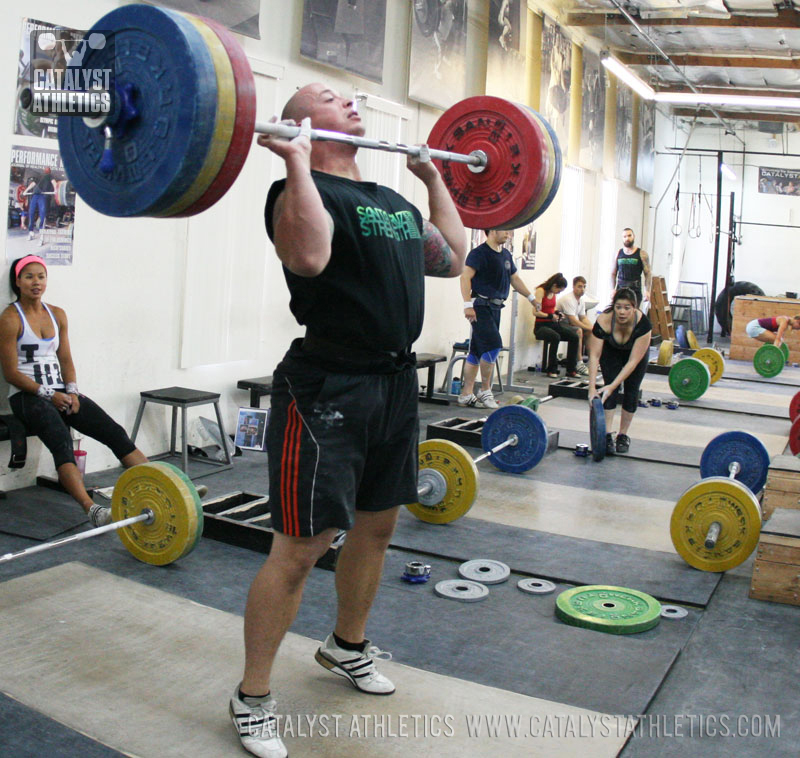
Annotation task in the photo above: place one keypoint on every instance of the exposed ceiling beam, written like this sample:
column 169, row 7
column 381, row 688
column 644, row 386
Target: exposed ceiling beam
column 784, row 18
column 738, row 115
column 725, row 61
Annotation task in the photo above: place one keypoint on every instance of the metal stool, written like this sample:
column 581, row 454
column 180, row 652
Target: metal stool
column 183, row 398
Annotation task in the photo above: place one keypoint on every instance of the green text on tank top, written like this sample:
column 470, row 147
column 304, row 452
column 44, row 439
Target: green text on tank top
column 624, row 342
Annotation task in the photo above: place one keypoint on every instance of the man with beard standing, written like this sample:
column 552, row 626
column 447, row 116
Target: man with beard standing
column 629, row 265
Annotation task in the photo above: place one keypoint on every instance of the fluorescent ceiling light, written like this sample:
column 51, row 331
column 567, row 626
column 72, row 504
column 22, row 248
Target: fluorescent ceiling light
column 624, row 74
column 750, row 101
column 627, row 76
column 727, row 171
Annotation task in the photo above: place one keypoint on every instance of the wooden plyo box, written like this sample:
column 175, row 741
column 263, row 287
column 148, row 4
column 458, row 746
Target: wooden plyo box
column 748, row 307
column 782, row 489
column 776, row 572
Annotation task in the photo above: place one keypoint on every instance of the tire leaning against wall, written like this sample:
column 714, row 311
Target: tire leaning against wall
column 725, row 319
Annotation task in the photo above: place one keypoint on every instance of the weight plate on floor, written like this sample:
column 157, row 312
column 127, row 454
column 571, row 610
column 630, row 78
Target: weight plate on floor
column 691, row 340
column 785, row 350
column 462, row 590
column 689, row 379
column 484, row 571
column 665, row 353
column 161, row 151
column 192, row 488
column 617, row 610
column 461, row 475
column 177, row 513
column 680, row 336
column 794, row 437
column 531, row 402
column 531, row 434
column 740, row 447
column 534, row 586
column 713, row 359
column 769, row 361
column 515, row 151
column 597, row 429
column 673, row 612
column 727, row 502
column 794, row 407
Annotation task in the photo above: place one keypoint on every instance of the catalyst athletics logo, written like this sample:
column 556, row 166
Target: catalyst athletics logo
column 73, row 78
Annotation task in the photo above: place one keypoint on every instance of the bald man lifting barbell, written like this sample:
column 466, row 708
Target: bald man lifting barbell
column 342, row 438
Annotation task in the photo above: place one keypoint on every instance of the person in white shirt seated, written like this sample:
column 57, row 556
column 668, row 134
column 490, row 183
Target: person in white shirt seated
column 572, row 305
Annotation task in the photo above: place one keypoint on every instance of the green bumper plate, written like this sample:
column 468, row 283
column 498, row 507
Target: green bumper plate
column 616, row 610
column 689, row 379
column 769, row 360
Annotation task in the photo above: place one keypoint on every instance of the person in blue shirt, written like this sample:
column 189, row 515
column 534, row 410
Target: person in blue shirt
column 488, row 275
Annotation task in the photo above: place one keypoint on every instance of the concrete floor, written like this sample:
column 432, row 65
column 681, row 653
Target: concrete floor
column 102, row 656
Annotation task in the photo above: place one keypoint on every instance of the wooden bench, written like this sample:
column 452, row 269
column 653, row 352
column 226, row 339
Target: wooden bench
column 262, row 385
column 258, row 387
column 429, row 361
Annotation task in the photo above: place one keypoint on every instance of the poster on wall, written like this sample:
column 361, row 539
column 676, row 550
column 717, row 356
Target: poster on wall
column 346, row 35
column 41, row 206
column 437, row 74
column 240, row 16
column 44, row 52
column 778, row 181
column 593, row 112
column 623, row 147
column 505, row 63
column 529, row 248
column 556, row 78
column 645, row 155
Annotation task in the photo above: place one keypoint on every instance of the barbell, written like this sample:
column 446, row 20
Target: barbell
column 157, row 515
column 514, row 439
column 183, row 115
column 770, row 360
column 716, row 523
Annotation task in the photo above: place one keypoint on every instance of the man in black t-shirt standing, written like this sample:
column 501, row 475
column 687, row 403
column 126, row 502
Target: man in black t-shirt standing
column 342, row 437
column 488, row 275
column 629, row 265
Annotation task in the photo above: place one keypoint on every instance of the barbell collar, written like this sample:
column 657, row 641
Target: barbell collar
column 512, row 441
column 476, row 160
column 146, row 515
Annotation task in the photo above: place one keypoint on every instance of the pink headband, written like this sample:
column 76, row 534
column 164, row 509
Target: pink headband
column 25, row 261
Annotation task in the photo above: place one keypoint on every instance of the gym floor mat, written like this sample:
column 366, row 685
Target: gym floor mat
column 169, row 665
column 566, row 559
column 39, row 514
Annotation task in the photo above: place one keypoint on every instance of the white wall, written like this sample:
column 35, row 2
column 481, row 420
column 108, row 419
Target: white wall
column 146, row 298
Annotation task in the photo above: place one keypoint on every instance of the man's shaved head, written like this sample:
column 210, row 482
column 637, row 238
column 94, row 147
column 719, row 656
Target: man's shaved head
column 299, row 104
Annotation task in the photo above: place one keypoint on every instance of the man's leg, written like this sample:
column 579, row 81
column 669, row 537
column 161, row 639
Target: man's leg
column 273, row 601
column 470, row 373
column 359, row 568
column 487, row 369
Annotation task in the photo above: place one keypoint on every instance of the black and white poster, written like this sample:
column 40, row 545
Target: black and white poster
column 623, row 147
column 240, row 16
column 345, row 34
column 505, row 64
column 593, row 112
column 529, row 247
column 437, row 73
column 778, row 181
column 556, row 78
column 41, row 206
column 645, row 155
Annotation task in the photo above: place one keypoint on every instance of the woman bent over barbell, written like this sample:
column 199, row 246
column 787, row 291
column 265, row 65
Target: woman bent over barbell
column 37, row 364
column 619, row 343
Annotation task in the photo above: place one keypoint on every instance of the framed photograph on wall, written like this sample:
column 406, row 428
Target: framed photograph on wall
column 251, row 428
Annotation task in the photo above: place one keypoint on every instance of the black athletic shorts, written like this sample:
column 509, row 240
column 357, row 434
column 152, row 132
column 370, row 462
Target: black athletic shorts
column 611, row 363
column 338, row 443
column 485, row 331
